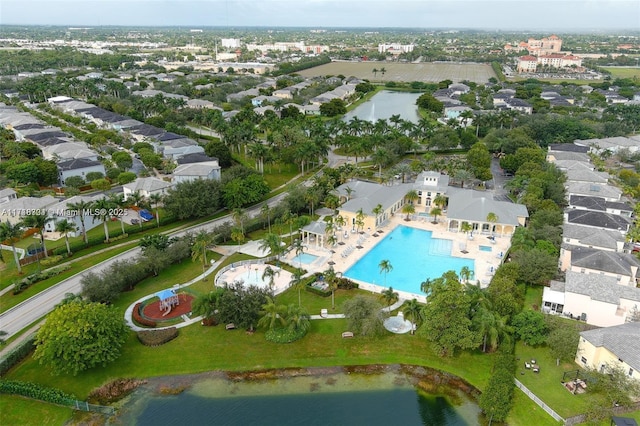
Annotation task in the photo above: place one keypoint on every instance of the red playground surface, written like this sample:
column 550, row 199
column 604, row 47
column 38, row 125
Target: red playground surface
column 152, row 310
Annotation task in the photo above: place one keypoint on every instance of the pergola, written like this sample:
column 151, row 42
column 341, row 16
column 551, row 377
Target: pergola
column 314, row 232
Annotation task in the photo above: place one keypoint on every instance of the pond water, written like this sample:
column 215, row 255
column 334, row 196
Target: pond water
column 326, row 399
column 386, row 103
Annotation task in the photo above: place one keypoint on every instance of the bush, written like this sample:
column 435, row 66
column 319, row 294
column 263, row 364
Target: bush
column 139, row 319
column 29, row 280
column 319, row 292
column 17, row 354
column 347, row 284
column 284, row 335
column 113, row 391
column 36, row 391
column 157, row 337
column 51, row 260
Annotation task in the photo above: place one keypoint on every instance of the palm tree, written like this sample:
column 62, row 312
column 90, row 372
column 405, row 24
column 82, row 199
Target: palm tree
column 390, row 297
column 298, row 283
column 237, row 235
column 297, row 319
column 382, row 71
column 298, row 246
column 465, row 273
column 385, row 267
column 39, row 221
column 425, row 286
column 205, row 304
column 440, row 201
column 408, row 209
column 81, row 207
column 492, row 218
column 375, row 72
column 360, row 219
column 118, row 200
column 199, row 248
column 156, row 199
column 349, row 191
column 412, row 196
column 272, row 315
column 103, row 208
column 270, row 273
column 265, row 211
column 466, row 227
column 64, row 227
column 332, row 280
column 413, row 312
column 239, row 216
column 272, row 243
column 377, row 211
column 11, row 232
column 435, row 212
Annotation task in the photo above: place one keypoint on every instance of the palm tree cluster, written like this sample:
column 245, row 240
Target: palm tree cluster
column 291, row 317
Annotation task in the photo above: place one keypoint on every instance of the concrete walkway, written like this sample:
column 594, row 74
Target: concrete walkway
column 336, row 316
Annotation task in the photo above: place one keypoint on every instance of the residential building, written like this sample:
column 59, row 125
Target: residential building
column 146, row 187
column 15, row 210
column 617, row 346
column 7, row 194
column 395, row 48
column 193, row 171
column 622, row 267
column 78, row 167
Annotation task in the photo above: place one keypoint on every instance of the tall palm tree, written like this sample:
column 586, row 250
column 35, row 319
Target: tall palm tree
column 408, row 209
column 332, row 280
column 375, row 72
column 465, row 273
column 412, row 196
column 103, row 208
column 492, row 218
column 385, row 267
column 413, row 312
column 266, row 212
column 64, row 227
column 272, row 243
column 440, row 201
column 390, row 297
column 39, row 221
column 435, row 212
column 205, row 304
column 270, row 274
column 377, row 211
column 298, row 283
column 360, row 219
column 80, row 207
column 156, row 199
column 119, row 201
column 11, row 232
column 199, row 248
column 298, row 246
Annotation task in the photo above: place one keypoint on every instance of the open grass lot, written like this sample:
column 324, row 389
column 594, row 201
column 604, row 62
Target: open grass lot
column 12, row 409
column 623, row 72
column 426, row 72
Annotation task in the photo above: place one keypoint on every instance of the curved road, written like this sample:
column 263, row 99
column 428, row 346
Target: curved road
column 28, row 312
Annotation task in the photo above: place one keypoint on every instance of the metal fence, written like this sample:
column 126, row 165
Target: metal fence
column 85, row 406
column 538, row 401
column 234, row 265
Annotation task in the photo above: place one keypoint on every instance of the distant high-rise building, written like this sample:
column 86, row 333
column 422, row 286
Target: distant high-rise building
column 230, row 43
column 395, row 48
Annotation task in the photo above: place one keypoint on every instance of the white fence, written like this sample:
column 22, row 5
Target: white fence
column 538, row 401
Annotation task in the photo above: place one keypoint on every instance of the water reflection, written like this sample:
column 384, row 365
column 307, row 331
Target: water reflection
column 386, row 103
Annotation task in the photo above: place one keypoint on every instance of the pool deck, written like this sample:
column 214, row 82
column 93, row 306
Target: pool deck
column 484, row 261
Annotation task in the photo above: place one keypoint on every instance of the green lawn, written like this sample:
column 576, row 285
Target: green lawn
column 617, row 72
column 547, row 383
column 13, row 409
column 525, row 412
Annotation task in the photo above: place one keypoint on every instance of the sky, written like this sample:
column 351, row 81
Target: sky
column 553, row 15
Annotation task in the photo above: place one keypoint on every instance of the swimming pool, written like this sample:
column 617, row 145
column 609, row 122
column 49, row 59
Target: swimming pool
column 414, row 256
column 485, row 248
column 305, row 258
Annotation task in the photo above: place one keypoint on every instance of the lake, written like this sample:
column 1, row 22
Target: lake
column 386, row 398
column 386, row 103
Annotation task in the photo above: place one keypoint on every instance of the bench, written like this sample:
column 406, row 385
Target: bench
column 347, row 334
column 230, row 326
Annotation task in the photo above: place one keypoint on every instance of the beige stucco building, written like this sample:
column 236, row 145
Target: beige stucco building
column 617, row 346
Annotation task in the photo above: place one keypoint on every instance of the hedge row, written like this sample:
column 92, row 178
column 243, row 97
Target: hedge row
column 30, row 280
column 284, row 335
column 36, row 391
column 17, row 354
column 497, row 398
column 139, row 319
column 157, row 337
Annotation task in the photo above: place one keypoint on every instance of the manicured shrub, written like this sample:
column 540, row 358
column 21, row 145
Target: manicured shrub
column 36, row 391
column 347, row 284
column 284, row 335
column 20, row 352
column 157, row 337
column 51, row 260
column 139, row 319
column 29, row 280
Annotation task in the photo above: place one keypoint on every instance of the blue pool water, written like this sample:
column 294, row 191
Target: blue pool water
column 414, row 256
column 484, row 248
column 305, row 258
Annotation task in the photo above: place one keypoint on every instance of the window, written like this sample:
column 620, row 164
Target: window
column 583, row 360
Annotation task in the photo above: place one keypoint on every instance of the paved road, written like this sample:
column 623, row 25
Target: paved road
column 34, row 308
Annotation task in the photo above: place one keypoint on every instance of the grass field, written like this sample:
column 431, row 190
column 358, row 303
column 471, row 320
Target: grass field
column 425, row 72
column 623, row 72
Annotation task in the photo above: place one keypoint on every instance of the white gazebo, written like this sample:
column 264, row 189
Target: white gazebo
column 314, row 232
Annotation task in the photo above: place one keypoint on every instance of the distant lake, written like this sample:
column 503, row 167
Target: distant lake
column 335, row 399
column 386, row 103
